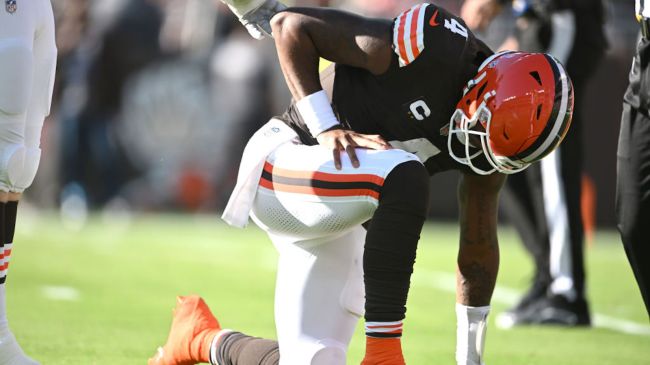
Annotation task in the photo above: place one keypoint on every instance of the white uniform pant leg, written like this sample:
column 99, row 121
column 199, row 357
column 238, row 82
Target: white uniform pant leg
column 319, row 297
column 313, row 213
column 27, row 65
column 45, row 56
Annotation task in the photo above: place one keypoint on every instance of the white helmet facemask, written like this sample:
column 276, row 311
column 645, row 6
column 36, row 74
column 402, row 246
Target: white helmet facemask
column 466, row 129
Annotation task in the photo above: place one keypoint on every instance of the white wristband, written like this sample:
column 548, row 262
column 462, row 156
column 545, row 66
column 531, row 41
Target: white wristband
column 317, row 112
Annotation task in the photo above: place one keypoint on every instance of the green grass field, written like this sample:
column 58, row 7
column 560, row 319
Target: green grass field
column 104, row 294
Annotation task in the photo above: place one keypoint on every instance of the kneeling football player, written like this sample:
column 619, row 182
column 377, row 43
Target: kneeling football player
column 405, row 99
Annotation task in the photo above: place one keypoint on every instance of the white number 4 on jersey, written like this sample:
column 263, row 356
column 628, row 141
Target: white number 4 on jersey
column 455, row 27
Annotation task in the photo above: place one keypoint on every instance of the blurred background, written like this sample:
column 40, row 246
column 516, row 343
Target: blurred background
column 155, row 99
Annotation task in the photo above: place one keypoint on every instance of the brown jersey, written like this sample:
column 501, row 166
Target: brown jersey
column 409, row 105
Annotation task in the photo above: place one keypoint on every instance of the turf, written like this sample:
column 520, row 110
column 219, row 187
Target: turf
column 104, row 294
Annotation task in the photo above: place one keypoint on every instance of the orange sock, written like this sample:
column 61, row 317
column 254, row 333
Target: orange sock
column 383, row 351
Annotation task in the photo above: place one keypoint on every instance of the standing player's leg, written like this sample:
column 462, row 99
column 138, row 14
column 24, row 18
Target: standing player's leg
column 633, row 182
column 633, row 195
column 27, row 64
column 566, row 301
column 560, row 257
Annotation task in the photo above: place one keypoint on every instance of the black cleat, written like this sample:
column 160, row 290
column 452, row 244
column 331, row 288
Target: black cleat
column 552, row 310
column 536, row 293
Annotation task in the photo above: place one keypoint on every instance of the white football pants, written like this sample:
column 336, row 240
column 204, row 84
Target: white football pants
column 313, row 214
column 27, row 65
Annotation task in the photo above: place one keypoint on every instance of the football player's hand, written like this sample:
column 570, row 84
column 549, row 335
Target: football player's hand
column 256, row 15
column 478, row 14
column 339, row 140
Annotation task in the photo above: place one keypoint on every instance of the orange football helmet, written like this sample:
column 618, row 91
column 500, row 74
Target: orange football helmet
column 515, row 111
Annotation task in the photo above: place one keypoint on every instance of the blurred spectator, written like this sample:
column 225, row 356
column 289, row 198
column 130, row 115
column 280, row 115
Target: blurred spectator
column 185, row 131
column 92, row 165
column 379, row 8
column 158, row 99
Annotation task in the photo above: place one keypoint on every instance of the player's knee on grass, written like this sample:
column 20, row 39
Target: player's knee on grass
column 310, row 352
column 331, row 355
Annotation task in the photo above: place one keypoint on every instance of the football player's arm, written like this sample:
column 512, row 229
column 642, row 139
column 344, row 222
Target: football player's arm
column 478, row 254
column 478, row 14
column 304, row 35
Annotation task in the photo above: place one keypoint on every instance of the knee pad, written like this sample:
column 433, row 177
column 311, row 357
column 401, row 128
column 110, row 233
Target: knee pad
column 15, row 76
column 18, row 166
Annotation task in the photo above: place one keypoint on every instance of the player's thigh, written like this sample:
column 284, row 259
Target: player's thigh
column 319, row 297
column 27, row 61
column 301, row 194
column 40, row 100
column 44, row 59
column 17, row 30
column 17, row 33
column 27, row 65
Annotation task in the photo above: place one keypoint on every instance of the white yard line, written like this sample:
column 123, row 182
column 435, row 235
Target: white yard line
column 507, row 296
column 64, row 293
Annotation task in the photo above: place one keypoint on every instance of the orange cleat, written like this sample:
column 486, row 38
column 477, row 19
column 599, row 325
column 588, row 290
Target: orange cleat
column 383, row 351
column 193, row 329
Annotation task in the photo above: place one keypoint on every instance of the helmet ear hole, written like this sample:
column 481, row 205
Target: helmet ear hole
column 536, row 76
column 539, row 111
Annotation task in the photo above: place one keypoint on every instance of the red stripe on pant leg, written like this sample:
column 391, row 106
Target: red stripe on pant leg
column 298, row 189
column 323, row 176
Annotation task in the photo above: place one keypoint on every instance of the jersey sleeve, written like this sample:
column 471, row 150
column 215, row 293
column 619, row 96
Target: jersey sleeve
column 408, row 34
column 423, row 28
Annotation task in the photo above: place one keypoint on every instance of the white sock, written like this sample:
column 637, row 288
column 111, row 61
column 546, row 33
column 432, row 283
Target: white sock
column 213, row 345
column 470, row 334
column 564, row 286
column 3, row 307
column 10, row 351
